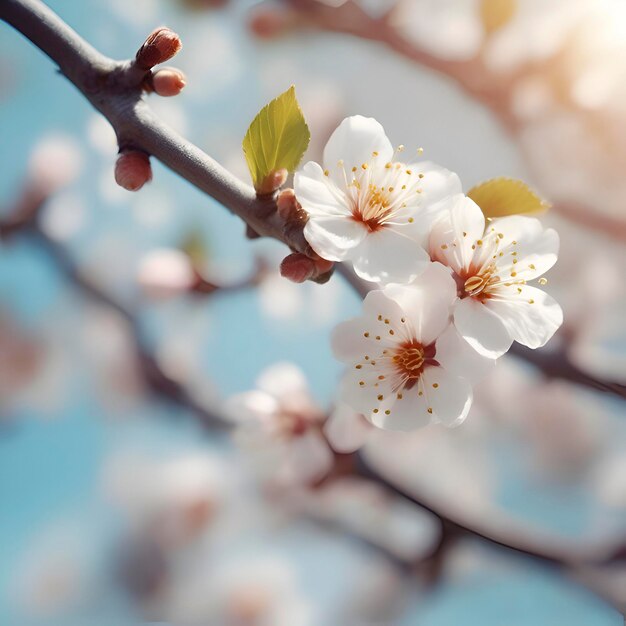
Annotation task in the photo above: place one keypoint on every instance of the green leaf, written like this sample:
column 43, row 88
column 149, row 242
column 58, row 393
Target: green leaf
column 507, row 196
column 277, row 138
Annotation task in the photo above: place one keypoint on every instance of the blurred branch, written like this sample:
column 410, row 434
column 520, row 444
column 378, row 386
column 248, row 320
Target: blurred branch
column 492, row 90
column 24, row 220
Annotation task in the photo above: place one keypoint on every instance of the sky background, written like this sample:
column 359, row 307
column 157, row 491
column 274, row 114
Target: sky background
column 56, row 444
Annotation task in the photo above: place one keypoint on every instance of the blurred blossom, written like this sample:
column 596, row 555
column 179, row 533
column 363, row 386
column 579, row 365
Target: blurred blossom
column 610, row 480
column 165, row 273
column 440, row 465
column 449, row 29
column 536, row 31
column 20, row 358
column 259, row 590
column 406, row 531
column 55, row 162
column 63, row 216
column 106, row 343
column 347, row 430
column 170, row 500
column 56, row 574
column 279, row 426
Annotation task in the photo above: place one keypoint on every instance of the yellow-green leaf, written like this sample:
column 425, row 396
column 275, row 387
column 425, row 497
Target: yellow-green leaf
column 277, row 137
column 507, row 196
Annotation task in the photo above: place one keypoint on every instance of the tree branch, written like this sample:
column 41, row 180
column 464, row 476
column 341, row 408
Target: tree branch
column 115, row 89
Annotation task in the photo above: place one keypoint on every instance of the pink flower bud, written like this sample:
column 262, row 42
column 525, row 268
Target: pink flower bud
column 273, row 182
column 161, row 45
column 286, row 204
column 297, row 267
column 168, row 82
column 132, row 170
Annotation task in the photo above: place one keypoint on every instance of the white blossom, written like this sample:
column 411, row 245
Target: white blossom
column 368, row 208
column 492, row 264
column 279, row 426
column 407, row 364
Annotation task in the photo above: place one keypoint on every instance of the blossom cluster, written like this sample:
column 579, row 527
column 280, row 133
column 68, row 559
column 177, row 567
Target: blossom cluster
column 452, row 288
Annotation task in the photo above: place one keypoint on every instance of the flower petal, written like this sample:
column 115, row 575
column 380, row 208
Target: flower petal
column 449, row 396
column 452, row 237
column 427, row 302
column 333, row 237
column 525, row 241
column 482, row 328
column 318, row 195
column 388, row 255
column 354, row 142
column 346, row 430
column 437, row 183
column 531, row 316
column 407, row 413
column 456, row 356
column 361, row 390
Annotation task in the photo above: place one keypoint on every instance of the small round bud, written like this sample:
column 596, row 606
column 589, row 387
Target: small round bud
column 132, row 170
column 286, row 204
column 272, row 182
column 160, row 46
column 297, row 267
column 168, row 82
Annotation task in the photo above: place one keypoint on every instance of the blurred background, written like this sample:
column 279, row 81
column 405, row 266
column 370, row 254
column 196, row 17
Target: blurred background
column 128, row 320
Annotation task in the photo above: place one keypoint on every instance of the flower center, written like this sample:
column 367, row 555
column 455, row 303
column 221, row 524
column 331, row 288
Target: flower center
column 373, row 207
column 477, row 285
column 410, row 358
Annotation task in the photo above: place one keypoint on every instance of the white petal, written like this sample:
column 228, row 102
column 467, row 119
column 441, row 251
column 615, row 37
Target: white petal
column 449, row 396
column 453, row 235
column 354, row 142
column 281, row 378
column 307, row 459
column 531, row 317
column 405, row 414
column 318, row 195
column 427, row 302
column 353, row 339
column 456, row 356
column 482, row 328
column 535, row 249
column 390, row 256
column 251, row 405
column 361, row 389
column 334, row 237
column 437, row 183
column 346, row 430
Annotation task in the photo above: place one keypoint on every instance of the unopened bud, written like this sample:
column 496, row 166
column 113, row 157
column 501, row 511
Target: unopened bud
column 287, row 205
column 132, row 170
column 272, row 182
column 168, row 82
column 297, row 267
column 160, row 46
